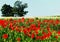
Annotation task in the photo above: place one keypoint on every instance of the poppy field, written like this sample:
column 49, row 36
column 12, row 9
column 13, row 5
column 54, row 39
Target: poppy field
column 29, row 30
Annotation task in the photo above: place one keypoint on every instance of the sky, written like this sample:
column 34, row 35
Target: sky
column 37, row 7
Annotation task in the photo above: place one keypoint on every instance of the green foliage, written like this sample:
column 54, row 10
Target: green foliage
column 17, row 10
column 6, row 10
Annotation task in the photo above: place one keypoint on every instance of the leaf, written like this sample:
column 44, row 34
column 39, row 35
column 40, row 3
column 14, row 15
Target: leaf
column 37, row 41
column 53, row 38
column 40, row 33
column 28, row 39
column 32, row 40
column 21, row 24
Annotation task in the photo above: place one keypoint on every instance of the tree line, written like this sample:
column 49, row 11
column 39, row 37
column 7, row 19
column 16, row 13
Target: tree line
column 16, row 11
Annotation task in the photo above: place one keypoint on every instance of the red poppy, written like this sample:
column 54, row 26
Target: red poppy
column 25, row 31
column 38, row 24
column 15, row 21
column 56, row 21
column 51, row 21
column 22, row 20
column 18, row 39
column 48, row 29
column 32, row 35
column 36, row 32
column 31, row 20
column 28, row 34
column 32, row 25
column 5, row 36
column 42, row 38
column 44, row 33
column 45, row 36
column 58, row 32
column 36, row 29
column 11, row 24
column 38, row 20
column 49, row 34
column 56, row 37
column 26, row 22
column 45, row 20
column 12, row 28
column 28, row 29
column 38, row 37
column 17, row 29
column 3, row 23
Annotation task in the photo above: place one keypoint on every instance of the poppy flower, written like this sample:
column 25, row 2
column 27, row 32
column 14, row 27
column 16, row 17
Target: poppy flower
column 12, row 28
column 22, row 20
column 36, row 32
column 44, row 33
column 18, row 39
column 38, row 24
column 31, row 20
column 19, row 20
column 56, row 21
column 51, row 21
column 25, row 31
column 17, row 29
column 38, row 28
column 15, row 21
column 38, row 37
column 42, row 38
column 58, row 32
column 45, row 21
column 27, row 22
column 49, row 34
column 11, row 24
column 56, row 37
column 32, row 25
column 48, row 29
column 28, row 29
column 5, row 36
column 38, row 20
column 3, row 23
column 28, row 34
column 32, row 35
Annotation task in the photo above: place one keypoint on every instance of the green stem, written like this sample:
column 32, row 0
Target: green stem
column 4, row 40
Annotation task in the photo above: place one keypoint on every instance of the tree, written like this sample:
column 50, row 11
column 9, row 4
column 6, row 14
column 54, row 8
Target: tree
column 19, row 8
column 6, row 10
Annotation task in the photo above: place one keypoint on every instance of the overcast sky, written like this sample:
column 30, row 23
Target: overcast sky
column 37, row 7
